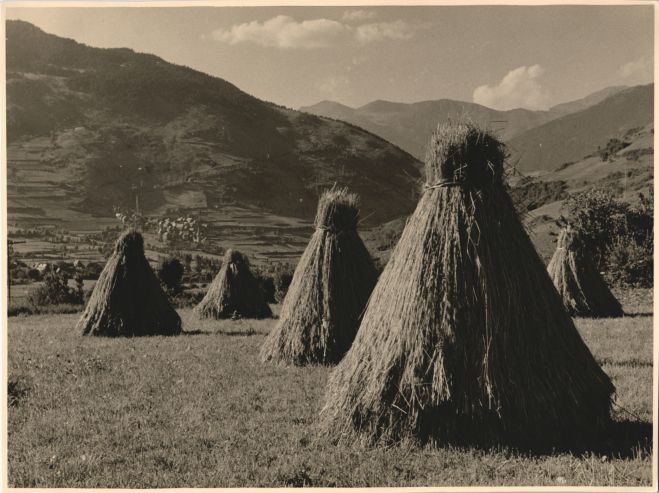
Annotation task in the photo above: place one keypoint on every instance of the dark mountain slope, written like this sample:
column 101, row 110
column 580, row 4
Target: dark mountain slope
column 572, row 137
column 107, row 124
column 586, row 102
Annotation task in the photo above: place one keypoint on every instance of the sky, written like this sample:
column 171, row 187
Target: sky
column 503, row 57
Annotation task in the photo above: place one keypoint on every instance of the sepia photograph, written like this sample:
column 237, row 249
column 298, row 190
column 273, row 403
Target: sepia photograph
column 328, row 245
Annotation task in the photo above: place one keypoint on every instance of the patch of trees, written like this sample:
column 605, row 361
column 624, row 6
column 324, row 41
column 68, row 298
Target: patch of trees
column 618, row 235
column 613, row 146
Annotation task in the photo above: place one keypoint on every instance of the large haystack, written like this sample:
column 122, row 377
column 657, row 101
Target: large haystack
column 584, row 292
column 330, row 287
column 234, row 292
column 464, row 338
column 127, row 299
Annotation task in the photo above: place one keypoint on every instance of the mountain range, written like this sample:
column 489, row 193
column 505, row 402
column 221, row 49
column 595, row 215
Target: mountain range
column 538, row 140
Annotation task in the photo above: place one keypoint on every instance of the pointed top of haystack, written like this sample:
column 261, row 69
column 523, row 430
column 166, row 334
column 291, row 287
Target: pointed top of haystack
column 337, row 210
column 232, row 256
column 130, row 243
column 569, row 239
column 461, row 153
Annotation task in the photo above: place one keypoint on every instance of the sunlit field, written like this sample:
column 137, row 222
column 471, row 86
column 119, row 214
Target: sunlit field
column 200, row 410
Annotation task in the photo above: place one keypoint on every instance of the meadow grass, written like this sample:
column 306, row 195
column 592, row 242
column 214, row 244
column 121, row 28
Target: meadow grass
column 200, row 410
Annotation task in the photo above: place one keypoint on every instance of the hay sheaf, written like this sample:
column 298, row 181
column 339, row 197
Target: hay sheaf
column 580, row 285
column 330, row 287
column 127, row 299
column 234, row 292
column 465, row 339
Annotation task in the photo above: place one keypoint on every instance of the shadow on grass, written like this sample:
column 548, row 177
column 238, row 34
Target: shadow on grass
column 248, row 332
column 245, row 333
column 625, row 440
column 638, row 314
column 620, row 440
column 196, row 332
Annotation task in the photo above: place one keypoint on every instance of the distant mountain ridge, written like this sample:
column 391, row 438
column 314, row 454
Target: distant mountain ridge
column 572, row 137
column 102, row 123
column 586, row 102
column 409, row 125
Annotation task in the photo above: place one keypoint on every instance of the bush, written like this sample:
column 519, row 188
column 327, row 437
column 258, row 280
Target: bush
column 274, row 279
column 598, row 218
column 613, row 146
column 92, row 270
column 55, row 291
column 187, row 298
column 630, row 263
column 267, row 286
column 617, row 235
column 171, row 274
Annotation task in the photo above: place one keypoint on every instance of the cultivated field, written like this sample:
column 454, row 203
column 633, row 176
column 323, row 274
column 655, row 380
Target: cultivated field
column 201, row 410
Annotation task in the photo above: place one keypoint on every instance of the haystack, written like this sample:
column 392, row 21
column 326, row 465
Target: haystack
column 584, row 292
column 330, row 287
column 464, row 339
column 127, row 299
column 234, row 292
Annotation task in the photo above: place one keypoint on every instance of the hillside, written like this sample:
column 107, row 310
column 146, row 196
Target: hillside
column 586, row 102
column 625, row 174
column 89, row 129
column 409, row 125
column 570, row 138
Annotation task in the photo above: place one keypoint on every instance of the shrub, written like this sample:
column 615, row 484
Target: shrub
column 613, row 146
column 266, row 285
column 617, row 235
column 187, row 298
column 54, row 291
column 598, row 218
column 630, row 263
column 171, row 274
column 274, row 279
column 635, row 154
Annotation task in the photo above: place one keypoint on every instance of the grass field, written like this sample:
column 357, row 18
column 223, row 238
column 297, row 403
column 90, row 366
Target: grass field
column 200, row 410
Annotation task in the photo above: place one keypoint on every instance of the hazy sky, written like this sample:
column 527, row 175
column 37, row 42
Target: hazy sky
column 502, row 57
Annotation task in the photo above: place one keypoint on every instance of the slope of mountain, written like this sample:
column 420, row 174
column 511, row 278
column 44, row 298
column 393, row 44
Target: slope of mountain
column 571, row 137
column 89, row 129
column 625, row 174
column 586, row 102
column 409, row 125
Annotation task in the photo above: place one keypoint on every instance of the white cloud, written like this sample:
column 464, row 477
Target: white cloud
column 637, row 69
column 520, row 88
column 358, row 15
column 379, row 31
column 284, row 32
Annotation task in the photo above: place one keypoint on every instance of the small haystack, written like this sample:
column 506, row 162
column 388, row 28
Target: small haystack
column 330, row 287
column 127, row 299
column 584, row 292
column 234, row 292
column 464, row 339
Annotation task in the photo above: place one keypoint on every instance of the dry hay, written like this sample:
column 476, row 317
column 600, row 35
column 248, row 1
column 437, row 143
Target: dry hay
column 465, row 339
column 234, row 292
column 127, row 299
column 331, row 285
column 581, row 286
